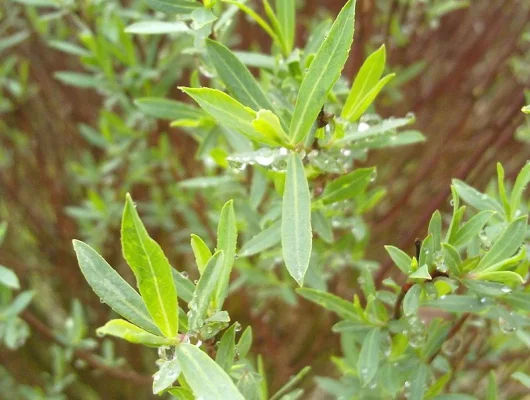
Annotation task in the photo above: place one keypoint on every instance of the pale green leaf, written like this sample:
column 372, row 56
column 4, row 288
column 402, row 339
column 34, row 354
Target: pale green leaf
column 204, row 291
column 286, row 12
column 264, row 240
column 421, row 273
column 411, row 301
column 452, row 259
column 151, row 269
column 347, row 186
column 518, row 188
column 480, row 201
column 237, row 78
column 417, row 388
column 8, row 278
column 344, row 309
column 174, row 6
column 207, row 380
column 368, row 361
column 167, row 373
column 168, row 109
column 368, row 99
column 268, row 124
column 296, row 220
column 400, row 258
column 226, row 241
column 226, row 351
column 158, row 28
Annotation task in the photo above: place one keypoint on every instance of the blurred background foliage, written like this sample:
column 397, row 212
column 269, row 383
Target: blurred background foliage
column 73, row 142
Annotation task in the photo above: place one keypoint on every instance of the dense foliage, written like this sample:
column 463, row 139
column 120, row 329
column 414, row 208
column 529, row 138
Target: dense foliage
column 278, row 199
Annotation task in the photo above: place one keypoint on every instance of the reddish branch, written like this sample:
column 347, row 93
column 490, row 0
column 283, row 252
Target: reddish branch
column 118, row 373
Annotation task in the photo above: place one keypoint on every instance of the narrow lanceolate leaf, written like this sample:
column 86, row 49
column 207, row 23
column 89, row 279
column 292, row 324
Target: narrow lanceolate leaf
column 167, row 374
column 366, row 79
column 296, row 220
column 286, row 12
column 400, row 258
column 323, row 73
column 8, row 278
column 204, row 291
column 368, row 99
column 227, row 349
column 207, row 380
column 174, row 6
column 264, row 240
column 411, row 302
column 518, row 188
column 472, row 196
column 506, row 245
column 151, row 269
column 112, row 288
column 237, row 78
column 168, row 109
column 344, row 309
column 228, row 112
column 127, row 331
column 226, row 241
column 201, row 252
column 417, row 388
column 472, row 228
column 368, row 361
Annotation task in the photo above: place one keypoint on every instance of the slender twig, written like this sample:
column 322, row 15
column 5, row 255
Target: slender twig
column 118, row 373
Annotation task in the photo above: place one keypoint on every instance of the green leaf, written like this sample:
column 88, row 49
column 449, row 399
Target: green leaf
column 201, row 252
column 112, row 288
column 245, row 342
column 131, row 333
column 282, row 393
column 181, row 394
column 421, row 273
column 168, row 109
column 168, row 373
column 435, row 230
column 472, row 228
column 185, row 287
column 8, row 278
column 78, row 79
column 296, row 220
column 526, row 109
column 458, row 303
column 400, row 258
column 268, row 124
column 286, row 11
column 367, row 100
column 506, row 277
column 174, row 6
column 502, row 191
column 520, row 301
column 158, row 28
column 228, row 112
column 347, row 186
column 518, row 189
column 151, row 269
column 368, row 361
column 18, row 305
column 452, row 259
column 480, row 201
column 322, row 226
column 506, row 245
column 226, row 241
column 491, row 393
column 417, row 388
column 522, row 378
column 368, row 76
column 341, row 307
column 38, row 3
column 323, row 73
column 411, row 301
column 387, row 126
column 207, row 379
column 227, row 349
column 204, row 291
column 237, row 78
column 264, row 240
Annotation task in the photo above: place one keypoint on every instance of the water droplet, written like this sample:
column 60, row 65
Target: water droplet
column 506, row 326
column 346, row 152
column 265, row 157
column 156, row 378
column 102, row 301
column 373, row 176
column 506, row 290
column 283, row 151
column 363, row 127
column 483, row 300
column 406, row 384
column 238, row 327
column 184, row 274
column 452, row 203
column 199, row 343
column 453, row 345
column 196, row 281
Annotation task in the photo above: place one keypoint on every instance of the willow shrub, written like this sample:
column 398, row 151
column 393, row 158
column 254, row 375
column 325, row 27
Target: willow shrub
column 287, row 147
